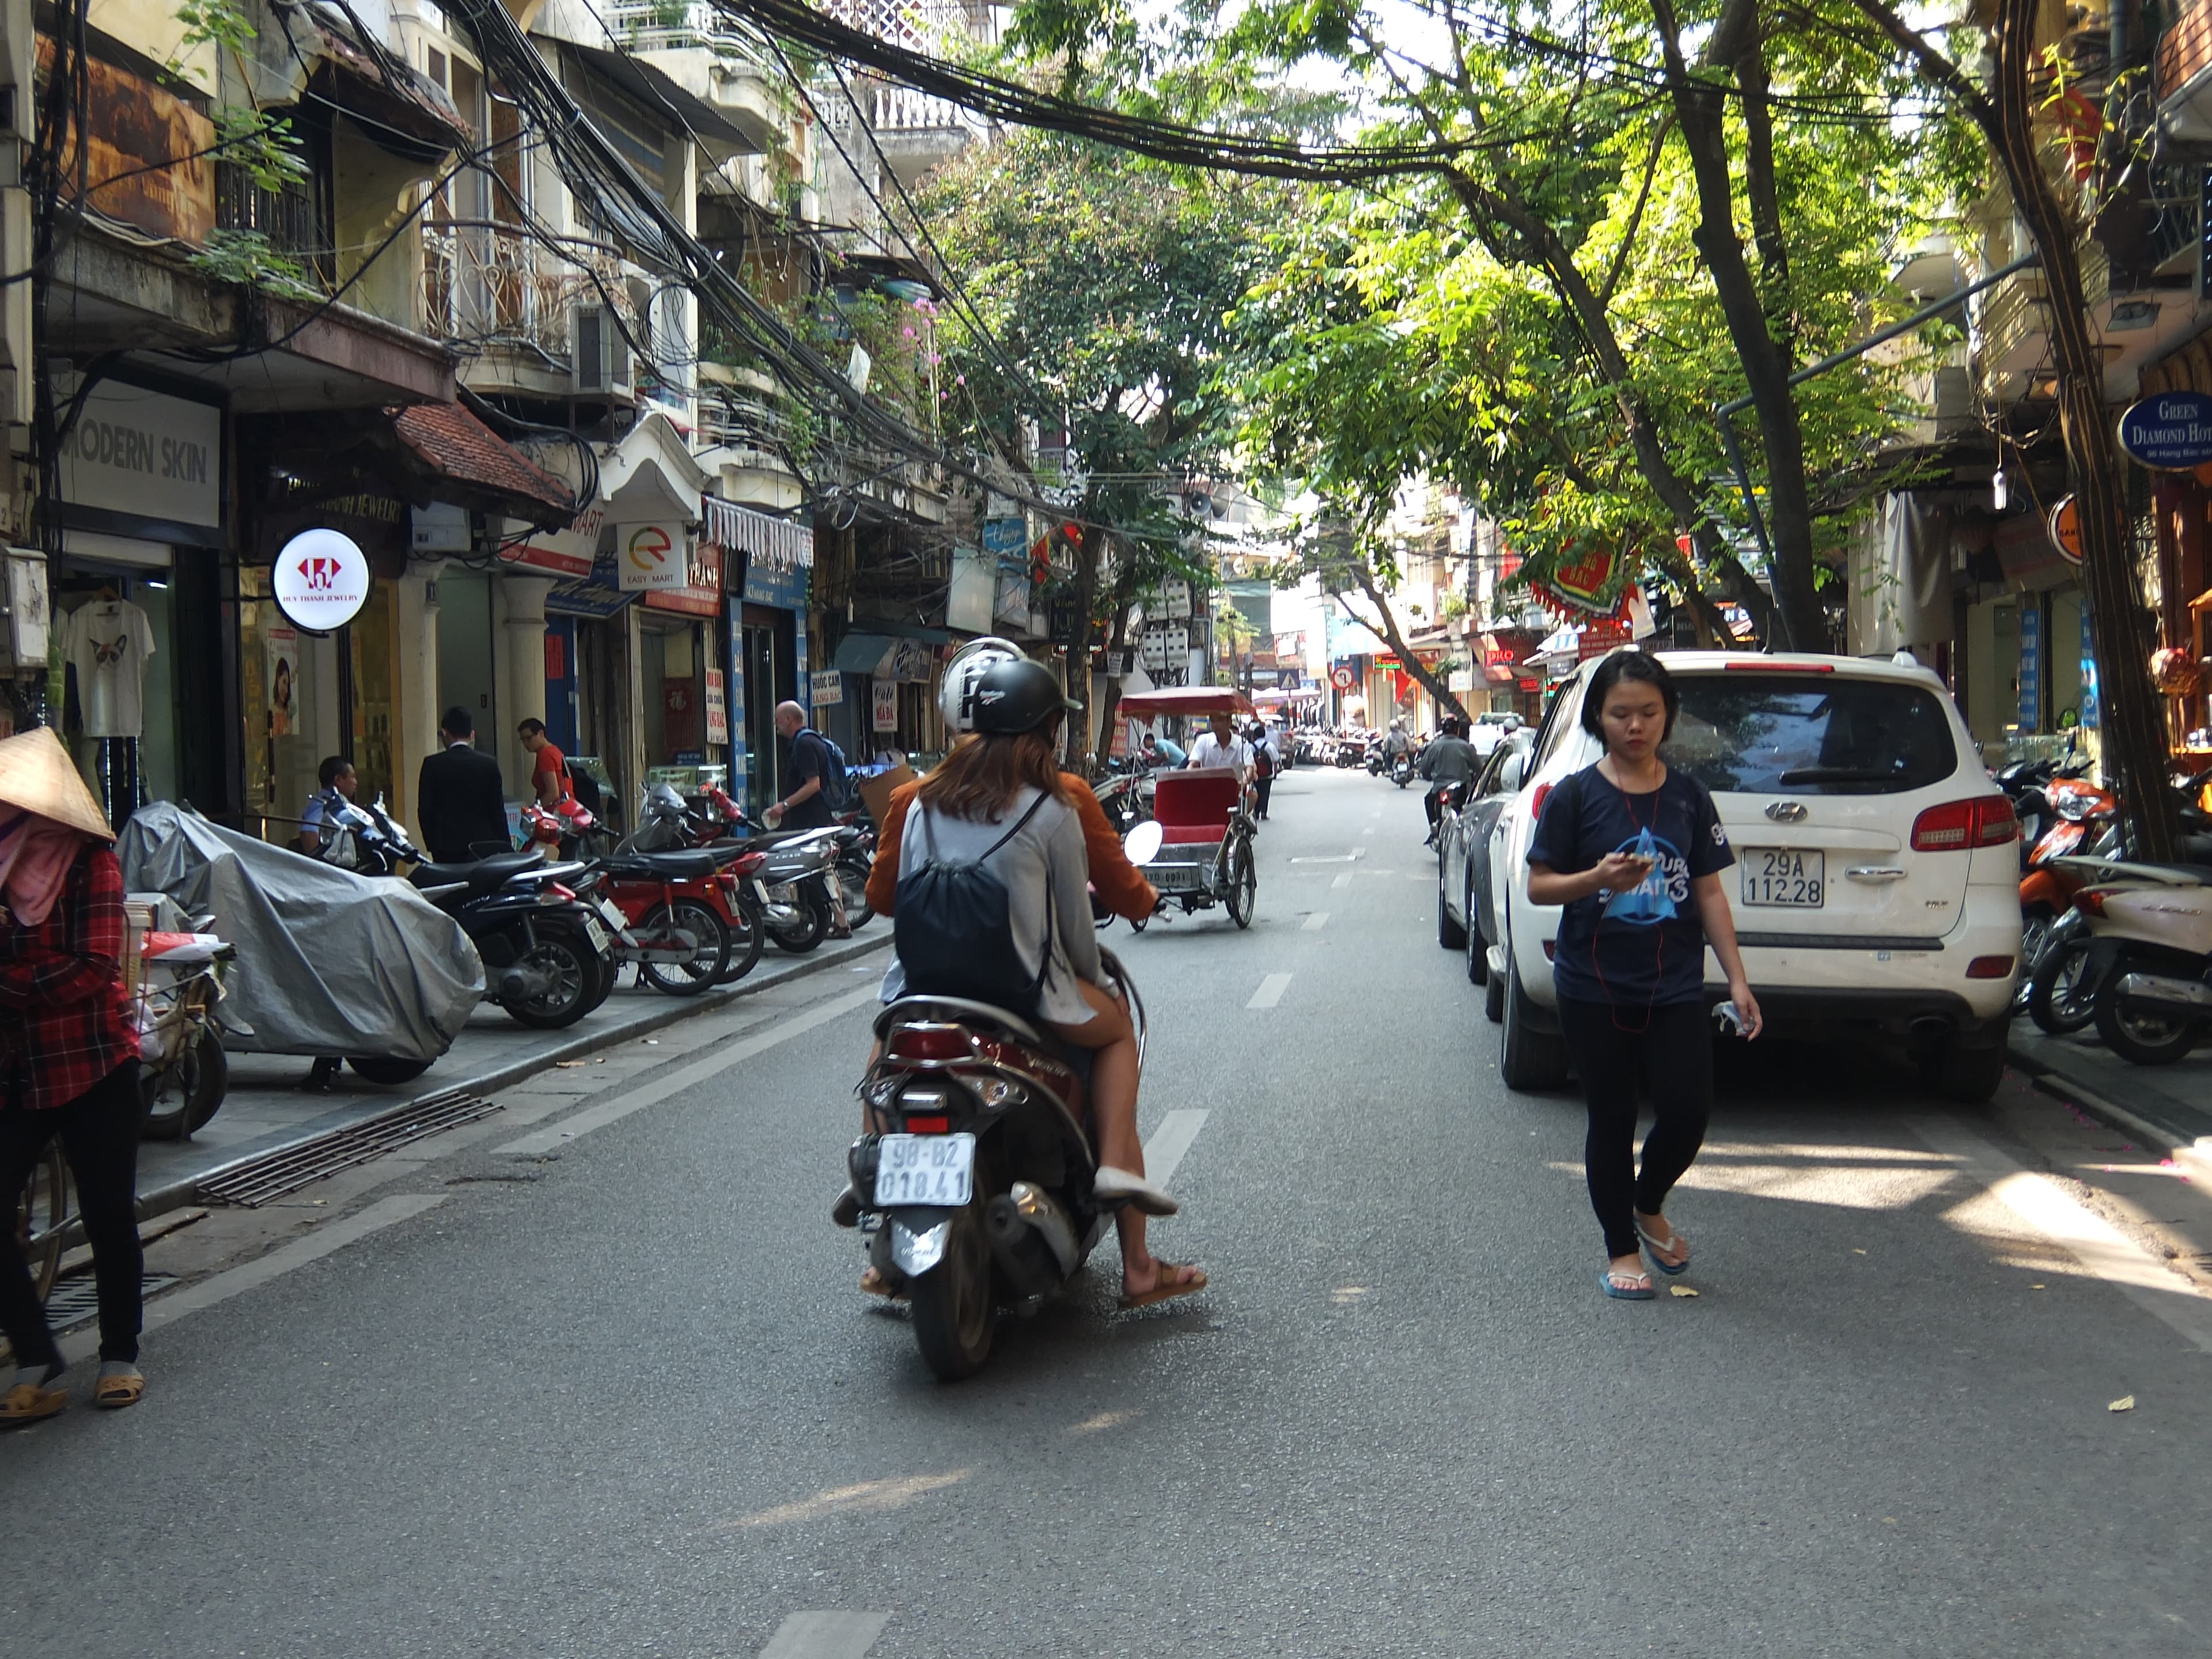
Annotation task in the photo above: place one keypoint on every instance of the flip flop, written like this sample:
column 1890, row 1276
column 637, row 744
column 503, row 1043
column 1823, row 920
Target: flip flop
column 1605, row 1283
column 1163, row 1291
column 1651, row 1248
column 1114, row 1186
column 26, row 1402
column 114, row 1392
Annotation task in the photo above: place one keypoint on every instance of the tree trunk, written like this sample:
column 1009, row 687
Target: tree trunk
column 1088, row 552
column 1431, row 680
column 2134, row 730
column 1700, row 109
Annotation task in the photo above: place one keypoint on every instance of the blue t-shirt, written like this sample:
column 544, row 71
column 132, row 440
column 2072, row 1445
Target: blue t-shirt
column 1644, row 948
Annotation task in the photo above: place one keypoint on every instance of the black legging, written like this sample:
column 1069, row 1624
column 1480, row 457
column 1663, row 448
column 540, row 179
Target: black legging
column 100, row 1135
column 1673, row 1057
column 1263, row 787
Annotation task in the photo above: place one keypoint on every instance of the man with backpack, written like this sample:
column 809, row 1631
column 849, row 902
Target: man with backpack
column 814, row 773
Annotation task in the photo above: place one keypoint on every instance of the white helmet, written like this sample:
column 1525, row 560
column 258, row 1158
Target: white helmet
column 963, row 672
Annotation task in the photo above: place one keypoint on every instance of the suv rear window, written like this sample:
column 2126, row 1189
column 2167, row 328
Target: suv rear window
column 1805, row 734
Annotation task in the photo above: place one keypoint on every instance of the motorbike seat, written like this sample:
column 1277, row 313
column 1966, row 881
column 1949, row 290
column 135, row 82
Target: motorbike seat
column 928, row 1010
column 480, row 875
column 694, row 866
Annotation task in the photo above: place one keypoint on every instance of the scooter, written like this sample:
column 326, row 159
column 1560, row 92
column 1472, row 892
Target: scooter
column 545, row 940
column 972, row 1184
column 2149, row 962
column 1401, row 770
column 183, row 1073
column 688, row 928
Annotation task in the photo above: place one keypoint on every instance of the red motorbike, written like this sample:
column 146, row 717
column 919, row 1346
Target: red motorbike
column 690, row 912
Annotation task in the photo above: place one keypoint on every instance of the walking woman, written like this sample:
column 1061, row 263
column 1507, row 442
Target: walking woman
column 69, row 1063
column 1634, row 850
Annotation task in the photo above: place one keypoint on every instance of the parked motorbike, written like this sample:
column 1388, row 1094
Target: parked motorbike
column 790, row 890
column 183, row 1073
column 365, row 840
column 2149, row 962
column 687, row 927
column 544, row 938
column 973, row 1178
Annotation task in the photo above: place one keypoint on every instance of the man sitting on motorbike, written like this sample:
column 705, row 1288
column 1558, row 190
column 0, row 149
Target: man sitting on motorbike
column 320, row 821
column 1451, row 759
column 990, row 778
column 1396, row 741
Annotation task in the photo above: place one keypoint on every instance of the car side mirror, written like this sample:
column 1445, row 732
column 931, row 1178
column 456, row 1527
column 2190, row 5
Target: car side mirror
column 1512, row 773
column 1142, row 843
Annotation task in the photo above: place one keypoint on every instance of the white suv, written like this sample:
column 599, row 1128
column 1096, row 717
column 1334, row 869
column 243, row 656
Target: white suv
column 1876, row 883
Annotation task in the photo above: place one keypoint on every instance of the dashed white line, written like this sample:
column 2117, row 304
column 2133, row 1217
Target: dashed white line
column 1344, row 880
column 1270, row 991
column 1313, row 923
column 1169, row 1142
column 825, row 1636
column 1369, row 830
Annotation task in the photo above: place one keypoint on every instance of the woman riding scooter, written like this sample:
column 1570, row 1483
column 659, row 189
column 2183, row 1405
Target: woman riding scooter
column 999, row 798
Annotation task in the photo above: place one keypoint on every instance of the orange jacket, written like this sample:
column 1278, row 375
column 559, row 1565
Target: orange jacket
column 1121, row 885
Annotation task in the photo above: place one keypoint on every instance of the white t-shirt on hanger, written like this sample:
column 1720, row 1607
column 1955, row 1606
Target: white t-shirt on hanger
column 108, row 642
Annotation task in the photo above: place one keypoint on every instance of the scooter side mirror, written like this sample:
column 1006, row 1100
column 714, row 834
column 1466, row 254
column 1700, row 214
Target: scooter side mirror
column 1142, row 843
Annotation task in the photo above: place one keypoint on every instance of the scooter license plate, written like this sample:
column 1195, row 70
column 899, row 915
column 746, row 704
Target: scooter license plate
column 933, row 1170
column 596, row 933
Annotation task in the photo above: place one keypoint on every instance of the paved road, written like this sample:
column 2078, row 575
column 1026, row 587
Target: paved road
column 612, row 1392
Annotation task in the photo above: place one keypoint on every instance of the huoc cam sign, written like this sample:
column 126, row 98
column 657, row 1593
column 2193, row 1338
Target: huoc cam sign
column 2169, row 433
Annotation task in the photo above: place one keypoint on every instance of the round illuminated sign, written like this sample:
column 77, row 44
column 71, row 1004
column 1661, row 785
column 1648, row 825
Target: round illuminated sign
column 321, row 579
column 2066, row 529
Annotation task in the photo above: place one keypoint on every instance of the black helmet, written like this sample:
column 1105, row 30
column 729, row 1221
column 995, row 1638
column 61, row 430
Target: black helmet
column 1018, row 697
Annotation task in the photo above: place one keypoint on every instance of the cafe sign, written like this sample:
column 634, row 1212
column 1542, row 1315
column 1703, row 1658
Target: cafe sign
column 2169, row 433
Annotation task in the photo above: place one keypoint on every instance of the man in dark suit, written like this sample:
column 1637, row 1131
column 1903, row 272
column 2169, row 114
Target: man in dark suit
column 459, row 798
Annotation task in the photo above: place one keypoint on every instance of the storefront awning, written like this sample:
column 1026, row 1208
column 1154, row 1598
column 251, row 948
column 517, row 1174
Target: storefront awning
column 475, row 468
column 767, row 542
column 884, row 657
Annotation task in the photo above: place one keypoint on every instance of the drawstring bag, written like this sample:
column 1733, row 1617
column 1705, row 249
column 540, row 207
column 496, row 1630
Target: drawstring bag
column 1648, row 900
column 952, row 927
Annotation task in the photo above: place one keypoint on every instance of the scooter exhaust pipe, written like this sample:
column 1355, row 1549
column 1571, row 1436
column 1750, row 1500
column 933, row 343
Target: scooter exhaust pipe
column 1021, row 1220
column 2189, row 996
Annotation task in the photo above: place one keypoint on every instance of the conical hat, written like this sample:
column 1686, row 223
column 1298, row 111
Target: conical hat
column 35, row 775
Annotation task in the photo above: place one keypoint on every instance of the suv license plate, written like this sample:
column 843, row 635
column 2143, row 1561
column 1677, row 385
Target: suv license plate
column 933, row 1170
column 1783, row 876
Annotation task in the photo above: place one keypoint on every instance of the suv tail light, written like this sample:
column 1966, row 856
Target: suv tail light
column 1962, row 826
column 1536, row 806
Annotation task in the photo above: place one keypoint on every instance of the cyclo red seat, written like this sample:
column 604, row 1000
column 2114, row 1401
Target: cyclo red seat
column 1194, row 807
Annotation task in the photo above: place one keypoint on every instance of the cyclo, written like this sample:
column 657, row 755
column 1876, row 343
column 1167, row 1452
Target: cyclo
column 1197, row 850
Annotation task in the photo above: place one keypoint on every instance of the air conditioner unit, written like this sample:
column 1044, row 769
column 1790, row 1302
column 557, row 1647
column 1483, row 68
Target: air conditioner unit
column 598, row 353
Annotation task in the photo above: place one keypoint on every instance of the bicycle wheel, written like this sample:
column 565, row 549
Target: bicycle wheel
column 1243, row 883
column 41, row 1211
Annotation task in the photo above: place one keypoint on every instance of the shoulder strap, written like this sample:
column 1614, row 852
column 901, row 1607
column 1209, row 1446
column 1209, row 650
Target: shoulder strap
column 1020, row 824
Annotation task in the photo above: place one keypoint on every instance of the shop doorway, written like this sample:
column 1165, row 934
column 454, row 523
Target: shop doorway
column 770, row 664
column 465, row 652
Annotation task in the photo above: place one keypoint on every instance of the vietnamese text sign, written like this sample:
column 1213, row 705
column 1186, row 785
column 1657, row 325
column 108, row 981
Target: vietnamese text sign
column 718, row 708
column 2171, row 432
column 826, row 690
column 886, row 705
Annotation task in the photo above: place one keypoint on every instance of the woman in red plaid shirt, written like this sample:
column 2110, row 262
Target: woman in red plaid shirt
column 69, row 1062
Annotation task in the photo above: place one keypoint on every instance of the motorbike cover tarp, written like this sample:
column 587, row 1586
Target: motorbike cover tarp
column 329, row 962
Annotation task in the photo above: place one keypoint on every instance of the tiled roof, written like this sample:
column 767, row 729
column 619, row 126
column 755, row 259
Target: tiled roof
column 453, row 442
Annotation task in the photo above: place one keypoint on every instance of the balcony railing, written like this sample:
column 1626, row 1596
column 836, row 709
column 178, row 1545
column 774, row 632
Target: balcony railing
column 291, row 221
column 486, row 285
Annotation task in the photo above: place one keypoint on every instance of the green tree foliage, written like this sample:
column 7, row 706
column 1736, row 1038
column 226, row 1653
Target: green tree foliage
column 1100, row 288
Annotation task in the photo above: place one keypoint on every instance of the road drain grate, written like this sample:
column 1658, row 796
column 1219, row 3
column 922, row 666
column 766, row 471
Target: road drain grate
column 76, row 1298
column 257, row 1179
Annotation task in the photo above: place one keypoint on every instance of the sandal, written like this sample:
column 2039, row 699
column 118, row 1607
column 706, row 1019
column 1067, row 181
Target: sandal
column 117, row 1389
column 26, row 1402
column 1163, row 1290
column 1112, row 1186
column 1625, row 1286
column 1676, row 1240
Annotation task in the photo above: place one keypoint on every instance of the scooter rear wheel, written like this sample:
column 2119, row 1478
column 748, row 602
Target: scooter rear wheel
column 711, row 956
column 182, row 1098
column 954, row 1317
column 2056, row 1001
column 580, row 981
column 747, row 935
column 2145, row 1039
column 812, row 925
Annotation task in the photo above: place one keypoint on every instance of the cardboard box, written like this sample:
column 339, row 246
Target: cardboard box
column 876, row 791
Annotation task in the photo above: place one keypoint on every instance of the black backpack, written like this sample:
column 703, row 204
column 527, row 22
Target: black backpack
column 836, row 783
column 953, row 929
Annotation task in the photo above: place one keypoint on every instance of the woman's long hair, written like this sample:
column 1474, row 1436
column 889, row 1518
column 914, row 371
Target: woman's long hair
column 979, row 780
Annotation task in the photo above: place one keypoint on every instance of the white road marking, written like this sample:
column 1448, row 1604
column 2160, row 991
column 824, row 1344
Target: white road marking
column 1344, row 880
column 1377, row 813
column 1164, row 1150
column 251, row 1275
column 1369, row 830
column 1333, row 858
column 1312, row 924
column 612, row 1111
column 1270, row 991
column 825, row 1636
column 2100, row 1247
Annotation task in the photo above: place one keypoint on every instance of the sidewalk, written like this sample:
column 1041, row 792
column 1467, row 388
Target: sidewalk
column 2169, row 1104
column 264, row 1109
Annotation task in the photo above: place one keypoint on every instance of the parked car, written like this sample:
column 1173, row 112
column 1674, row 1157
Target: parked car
column 1463, row 873
column 1491, row 730
column 1877, row 882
